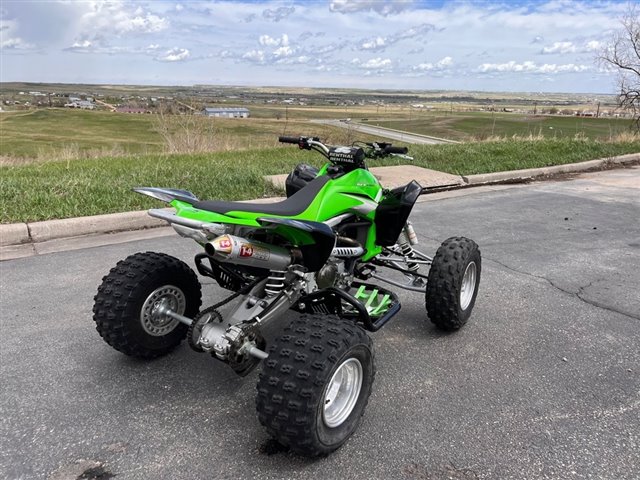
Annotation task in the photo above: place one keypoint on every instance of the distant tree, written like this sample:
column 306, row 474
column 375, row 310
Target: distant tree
column 623, row 54
column 553, row 110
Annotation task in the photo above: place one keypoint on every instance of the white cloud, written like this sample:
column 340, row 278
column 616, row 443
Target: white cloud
column 256, row 56
column 15, row 43
column 377, row 43
column 175, row 55
column 383, row 7
column 376, row 64
column 593, row 45
column 380, row 43
column 284, row 51
column 82, row 44
column 440, row 65
column 9, row 39
column 267, row 41
column 560, row 47
column 571, row 47
column 531, row 67
column 278, row 14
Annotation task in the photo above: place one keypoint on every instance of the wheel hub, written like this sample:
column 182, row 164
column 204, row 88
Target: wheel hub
column 468, row 286
column 167, row 297
column 342, row 393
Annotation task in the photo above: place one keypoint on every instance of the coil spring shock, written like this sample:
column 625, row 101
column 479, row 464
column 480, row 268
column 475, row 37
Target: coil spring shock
column 275, row 282
column 407, row 251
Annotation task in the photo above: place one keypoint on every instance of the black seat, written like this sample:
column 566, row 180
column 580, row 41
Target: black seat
column 294, row 205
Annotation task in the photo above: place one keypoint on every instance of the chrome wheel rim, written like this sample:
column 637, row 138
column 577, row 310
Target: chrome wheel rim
column 468, row 285
column 167, row 296
column 342, row 393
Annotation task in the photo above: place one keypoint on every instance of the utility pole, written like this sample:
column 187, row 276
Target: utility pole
column 598, row 111
column 535, row 108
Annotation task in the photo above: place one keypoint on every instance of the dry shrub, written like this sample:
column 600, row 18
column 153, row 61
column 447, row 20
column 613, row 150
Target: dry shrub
column 628, row 136
column 531, row 137
column 186, row 133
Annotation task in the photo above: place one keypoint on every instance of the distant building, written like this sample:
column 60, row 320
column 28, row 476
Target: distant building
column 226, row 112
column 83, row 104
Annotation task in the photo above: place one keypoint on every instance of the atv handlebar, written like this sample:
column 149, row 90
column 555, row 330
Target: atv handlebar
column 294, row 140
column 371, row 150
column 396, row 150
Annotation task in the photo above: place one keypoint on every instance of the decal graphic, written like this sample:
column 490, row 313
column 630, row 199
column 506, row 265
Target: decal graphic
column 254, row 251
column 223, row 244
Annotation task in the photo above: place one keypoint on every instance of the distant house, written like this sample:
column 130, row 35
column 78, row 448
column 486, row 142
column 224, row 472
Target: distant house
column 83, row 104
column 226, row 112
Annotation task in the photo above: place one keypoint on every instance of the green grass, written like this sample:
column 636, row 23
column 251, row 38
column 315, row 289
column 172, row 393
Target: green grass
column 466, row 126
column 47, row 190
column 63, row 133
column 39, row 132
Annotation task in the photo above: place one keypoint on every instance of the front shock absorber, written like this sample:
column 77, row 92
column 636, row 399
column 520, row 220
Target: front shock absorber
column 407, row 239
column 275, row 282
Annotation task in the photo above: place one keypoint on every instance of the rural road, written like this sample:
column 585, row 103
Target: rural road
column 544, row 381
column 385, row 132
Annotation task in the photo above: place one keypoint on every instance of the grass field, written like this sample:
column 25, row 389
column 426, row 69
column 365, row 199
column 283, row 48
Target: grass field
column 63, row 134
column 46, row 134
column 478, row 126
column 46, row 190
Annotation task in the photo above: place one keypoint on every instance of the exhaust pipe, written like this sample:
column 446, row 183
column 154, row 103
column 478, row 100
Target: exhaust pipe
column 241, row 251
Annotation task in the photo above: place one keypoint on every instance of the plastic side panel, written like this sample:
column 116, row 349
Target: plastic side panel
column 187, row 211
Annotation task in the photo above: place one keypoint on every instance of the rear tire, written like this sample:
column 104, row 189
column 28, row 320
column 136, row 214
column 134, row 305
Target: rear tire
column 128, row 294
column 453, row 281
column 315, row 385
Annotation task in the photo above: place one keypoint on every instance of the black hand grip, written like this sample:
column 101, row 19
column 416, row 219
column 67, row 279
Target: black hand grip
column 400, row 150
column 294, row 140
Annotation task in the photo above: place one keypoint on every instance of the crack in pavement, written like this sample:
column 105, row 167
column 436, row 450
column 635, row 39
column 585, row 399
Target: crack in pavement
column 578, row 294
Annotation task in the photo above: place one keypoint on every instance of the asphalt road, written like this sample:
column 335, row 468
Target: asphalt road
column 385, row 132
column 544, row 381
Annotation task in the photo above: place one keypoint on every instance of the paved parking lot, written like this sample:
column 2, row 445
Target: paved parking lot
column 544, row 382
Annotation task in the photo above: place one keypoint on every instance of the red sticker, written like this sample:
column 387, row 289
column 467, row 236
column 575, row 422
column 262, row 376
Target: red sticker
column 225, row 243
column 246, row 251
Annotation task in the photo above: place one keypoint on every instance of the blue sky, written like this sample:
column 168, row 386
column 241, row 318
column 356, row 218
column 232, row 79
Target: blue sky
column 495, row 46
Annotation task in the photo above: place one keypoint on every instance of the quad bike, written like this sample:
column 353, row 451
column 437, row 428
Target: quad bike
column 314, row 253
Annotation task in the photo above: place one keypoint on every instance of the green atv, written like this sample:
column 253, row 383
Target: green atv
column 315, row 253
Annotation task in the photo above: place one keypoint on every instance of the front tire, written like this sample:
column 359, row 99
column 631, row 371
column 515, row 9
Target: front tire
column 452, row 285
column 126, row 299
column 315, row 385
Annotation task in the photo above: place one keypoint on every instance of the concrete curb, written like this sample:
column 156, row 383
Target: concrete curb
column 520, row 175
column 15, row 234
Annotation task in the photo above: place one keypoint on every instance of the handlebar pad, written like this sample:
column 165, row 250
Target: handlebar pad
column 294, row 140
column 400, row 150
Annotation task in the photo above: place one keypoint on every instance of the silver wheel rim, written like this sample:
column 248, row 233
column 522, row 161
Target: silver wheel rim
column 167, row 296
column 342, row 393
column 468, row 285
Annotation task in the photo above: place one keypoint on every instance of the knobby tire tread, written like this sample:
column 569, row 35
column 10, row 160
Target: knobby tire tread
column 292, row 379
column 443, row 284
column 120, row 292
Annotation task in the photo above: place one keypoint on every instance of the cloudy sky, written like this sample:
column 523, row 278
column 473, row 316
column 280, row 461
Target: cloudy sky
column 472, row 45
